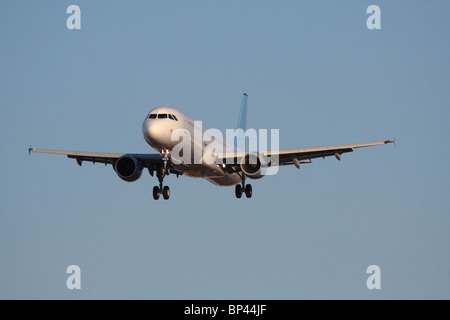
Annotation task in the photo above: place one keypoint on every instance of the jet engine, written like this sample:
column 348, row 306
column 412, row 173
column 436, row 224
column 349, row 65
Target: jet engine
column 254, row 166
column 128, row 168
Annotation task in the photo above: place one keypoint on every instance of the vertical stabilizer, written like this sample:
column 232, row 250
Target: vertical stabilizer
column 242, row 120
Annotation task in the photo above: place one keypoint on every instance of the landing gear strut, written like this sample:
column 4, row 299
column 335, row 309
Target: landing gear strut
column 161, row 173
column 243, row 188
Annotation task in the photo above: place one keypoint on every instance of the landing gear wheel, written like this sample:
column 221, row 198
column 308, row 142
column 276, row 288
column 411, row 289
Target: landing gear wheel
column 166, row 192
column 238, row 191
column 248, row 191
column 156, row 192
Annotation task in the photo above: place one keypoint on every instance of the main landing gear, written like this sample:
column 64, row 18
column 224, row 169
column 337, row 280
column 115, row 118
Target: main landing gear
column 243, row 188
column 157, row 192
column 161, row 173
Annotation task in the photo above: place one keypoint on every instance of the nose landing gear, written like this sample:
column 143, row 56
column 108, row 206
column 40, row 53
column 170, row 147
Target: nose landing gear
column 161, row 173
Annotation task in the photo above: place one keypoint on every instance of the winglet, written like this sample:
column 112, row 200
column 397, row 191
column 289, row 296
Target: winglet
column 389, row 141
column 395, row 140
column 29, row 150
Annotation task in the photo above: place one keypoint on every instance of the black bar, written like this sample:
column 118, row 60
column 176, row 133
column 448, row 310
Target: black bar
column 224, row 309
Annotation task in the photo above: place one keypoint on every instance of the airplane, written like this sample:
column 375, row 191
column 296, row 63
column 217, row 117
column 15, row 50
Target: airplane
column 230, row 169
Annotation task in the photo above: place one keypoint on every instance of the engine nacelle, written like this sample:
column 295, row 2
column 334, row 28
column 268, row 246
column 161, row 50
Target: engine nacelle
column 128, row 168
column 254, row 166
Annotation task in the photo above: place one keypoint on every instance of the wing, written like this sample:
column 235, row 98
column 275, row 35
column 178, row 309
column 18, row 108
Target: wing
column 305, row 155
column 151, row 161
column 287, row 157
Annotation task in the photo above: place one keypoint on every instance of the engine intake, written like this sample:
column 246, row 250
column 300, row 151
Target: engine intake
column 253, row 166
column 128, row 168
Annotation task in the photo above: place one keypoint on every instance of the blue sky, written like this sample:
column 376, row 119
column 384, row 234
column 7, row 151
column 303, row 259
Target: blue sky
column 311, row 69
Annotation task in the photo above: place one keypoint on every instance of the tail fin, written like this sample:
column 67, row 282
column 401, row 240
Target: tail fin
column 242, row 120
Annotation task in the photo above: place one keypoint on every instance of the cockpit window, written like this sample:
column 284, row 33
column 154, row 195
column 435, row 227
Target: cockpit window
column 162, row 116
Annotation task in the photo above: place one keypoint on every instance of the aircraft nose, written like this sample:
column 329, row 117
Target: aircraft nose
column 155, row 132
column 153, row 129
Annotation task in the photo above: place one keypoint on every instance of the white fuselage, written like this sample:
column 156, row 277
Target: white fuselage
column 157, row 129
